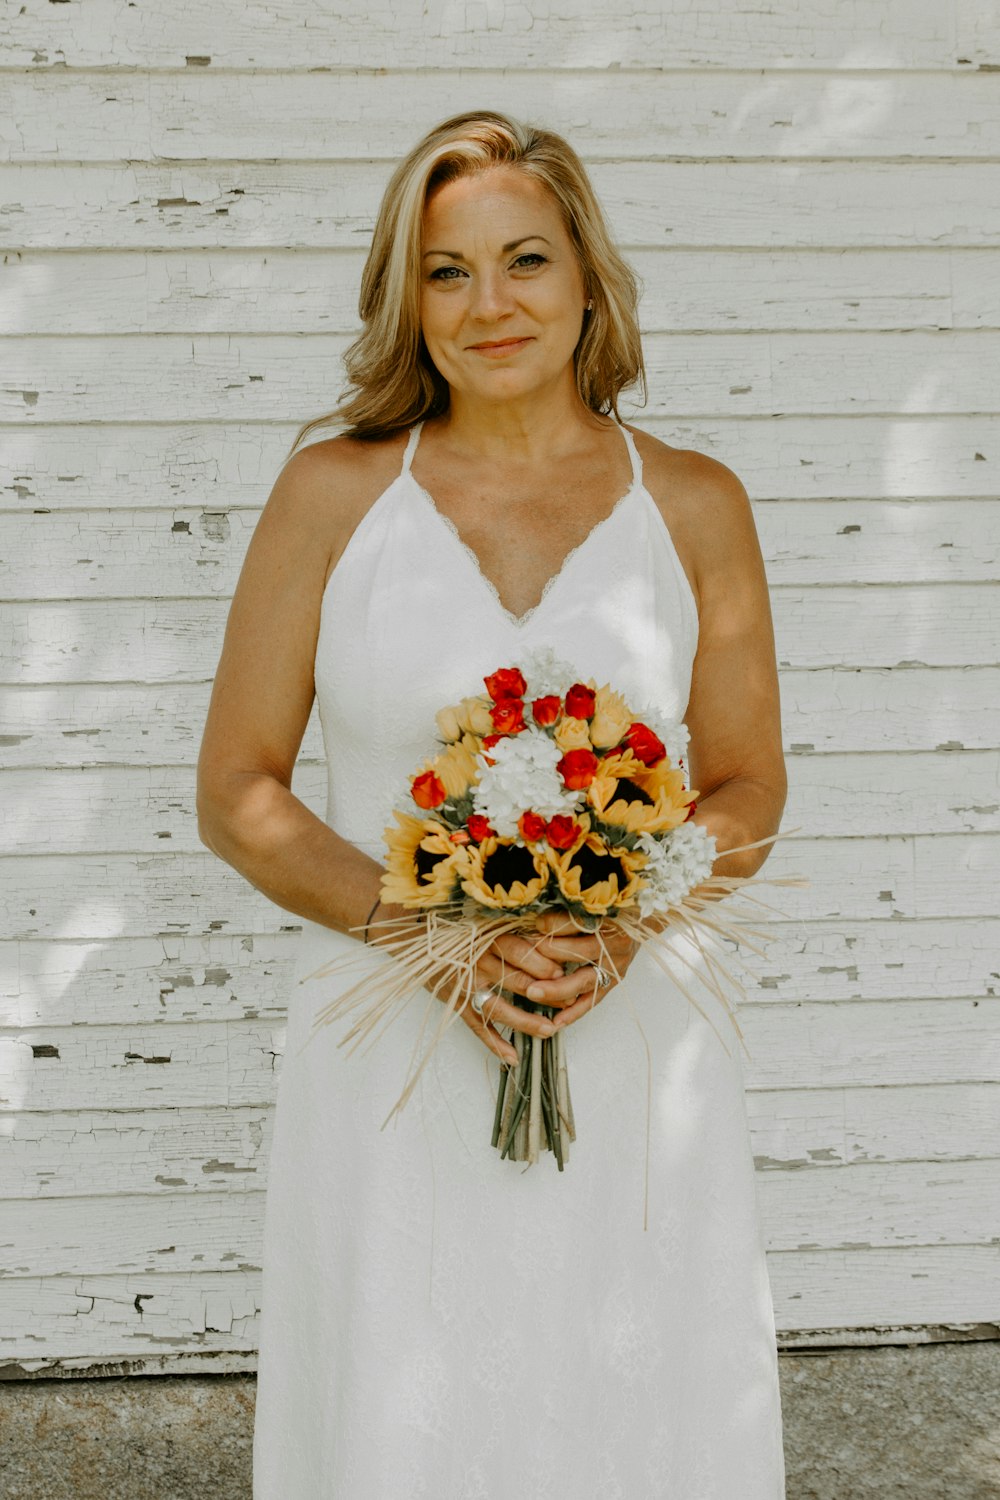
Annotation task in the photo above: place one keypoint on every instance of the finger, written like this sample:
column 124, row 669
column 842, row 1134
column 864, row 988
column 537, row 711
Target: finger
column 500, row 1012
column 481, row 1025
column 523, row 954
column 568, row 990
column 568, row 949
column 583, row 1006
column 506, row 1051
column 495, row 973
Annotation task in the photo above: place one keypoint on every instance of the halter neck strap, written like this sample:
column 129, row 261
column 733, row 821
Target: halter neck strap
column 411, row 447
column 633, row 454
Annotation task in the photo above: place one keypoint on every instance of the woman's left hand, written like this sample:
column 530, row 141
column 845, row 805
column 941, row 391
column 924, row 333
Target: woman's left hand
column 559, row 938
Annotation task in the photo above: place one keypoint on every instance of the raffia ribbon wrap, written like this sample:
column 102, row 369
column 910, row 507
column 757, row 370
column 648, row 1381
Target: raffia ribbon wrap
column 456, row 936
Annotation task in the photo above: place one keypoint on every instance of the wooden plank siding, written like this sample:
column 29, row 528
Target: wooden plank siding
column 811, row 197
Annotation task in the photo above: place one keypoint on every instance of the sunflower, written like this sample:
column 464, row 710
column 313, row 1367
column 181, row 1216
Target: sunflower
column 423, row 866
column 639, row 798
column 596, row 877
column 501, row 873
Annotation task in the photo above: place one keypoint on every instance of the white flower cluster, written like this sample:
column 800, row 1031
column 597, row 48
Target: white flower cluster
column 675, row 865
column 523, row 777
column 545, row 673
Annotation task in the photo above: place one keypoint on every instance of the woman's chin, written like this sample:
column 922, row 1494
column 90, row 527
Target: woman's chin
column 507, row 385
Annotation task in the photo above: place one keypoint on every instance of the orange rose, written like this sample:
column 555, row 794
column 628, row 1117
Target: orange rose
column 531, row 826
column 427, row 790
column 578, row 768
column 508, row 715
column 562, row 831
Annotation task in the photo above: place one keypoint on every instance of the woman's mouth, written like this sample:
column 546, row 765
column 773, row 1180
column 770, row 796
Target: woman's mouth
column 501, row 348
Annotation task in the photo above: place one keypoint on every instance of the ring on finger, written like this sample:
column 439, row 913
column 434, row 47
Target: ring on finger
column 602, row 976
column 479, row 996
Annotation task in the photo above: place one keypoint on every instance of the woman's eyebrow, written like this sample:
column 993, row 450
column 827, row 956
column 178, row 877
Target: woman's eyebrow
column 505, row 249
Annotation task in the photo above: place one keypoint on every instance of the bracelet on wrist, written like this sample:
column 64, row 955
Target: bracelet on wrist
column 369, row 917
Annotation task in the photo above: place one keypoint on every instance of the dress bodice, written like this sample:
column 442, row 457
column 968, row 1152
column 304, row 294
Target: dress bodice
column 409, row 623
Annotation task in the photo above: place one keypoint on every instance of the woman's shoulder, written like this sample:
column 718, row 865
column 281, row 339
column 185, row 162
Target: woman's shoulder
column 325, row 488
column 334, row 481
column 704, row 505
column 686, row 472
column 354, row 464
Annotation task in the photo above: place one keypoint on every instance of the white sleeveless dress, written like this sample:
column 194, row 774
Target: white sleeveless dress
column 437, row 1322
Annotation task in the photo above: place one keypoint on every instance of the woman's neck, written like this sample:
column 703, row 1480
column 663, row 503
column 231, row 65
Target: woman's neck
column 531, row 428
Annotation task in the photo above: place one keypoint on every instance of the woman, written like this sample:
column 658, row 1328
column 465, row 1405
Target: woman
column 437, row 1321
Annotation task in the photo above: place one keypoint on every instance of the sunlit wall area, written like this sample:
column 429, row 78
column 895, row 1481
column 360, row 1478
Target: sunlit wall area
column 810, row 196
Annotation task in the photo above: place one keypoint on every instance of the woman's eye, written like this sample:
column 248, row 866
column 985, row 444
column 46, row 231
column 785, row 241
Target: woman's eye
column 532, row 258
column 443, row 273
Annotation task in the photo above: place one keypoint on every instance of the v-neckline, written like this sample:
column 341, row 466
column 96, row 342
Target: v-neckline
column 519, row 621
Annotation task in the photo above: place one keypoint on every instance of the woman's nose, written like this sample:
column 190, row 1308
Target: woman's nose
column 491, row 298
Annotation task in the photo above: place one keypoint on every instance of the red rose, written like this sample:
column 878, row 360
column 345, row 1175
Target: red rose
column 428, row 790
column 562, row 831
column 546, row 710
column 479, row 827
column 578, row 768
column 531, row 826
column 508, row 715
column 507, row 683
column 580, row 701
column 645, row 745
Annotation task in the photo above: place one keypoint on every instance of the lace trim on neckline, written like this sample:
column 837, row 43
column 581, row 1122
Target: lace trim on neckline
column 520, row 620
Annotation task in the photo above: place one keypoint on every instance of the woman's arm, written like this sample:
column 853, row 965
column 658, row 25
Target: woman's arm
column 263, row 691
column 735, row 757
column 261, row 700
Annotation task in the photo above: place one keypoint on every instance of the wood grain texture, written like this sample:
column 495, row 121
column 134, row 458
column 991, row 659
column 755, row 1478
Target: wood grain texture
column 202, row 115
column 182, row 552
column 103, row 292
column 825, row 710
column 93, row 896
column 811, row 198
column 796, row 1045
column 498, row 34
column 178, row 640
column 143, row 811
column 203, row 1151
column 224, row 975
column 148, row 205
column 172, row 1322
column 215, row 464
column 220, row 377
column 866, row 1206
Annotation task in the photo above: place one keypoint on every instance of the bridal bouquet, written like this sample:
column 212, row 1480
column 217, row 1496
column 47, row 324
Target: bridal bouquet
column 547, row 792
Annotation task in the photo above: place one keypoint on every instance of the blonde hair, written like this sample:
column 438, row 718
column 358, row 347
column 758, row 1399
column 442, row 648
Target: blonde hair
column 392, row 381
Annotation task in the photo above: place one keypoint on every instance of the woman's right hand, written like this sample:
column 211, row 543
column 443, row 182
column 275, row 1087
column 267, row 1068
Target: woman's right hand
column 512, row 963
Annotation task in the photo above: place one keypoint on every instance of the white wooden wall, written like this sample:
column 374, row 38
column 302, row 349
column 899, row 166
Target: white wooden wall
column 811, row 193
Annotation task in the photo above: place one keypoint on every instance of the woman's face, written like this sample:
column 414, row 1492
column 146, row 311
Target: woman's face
column 502, row 293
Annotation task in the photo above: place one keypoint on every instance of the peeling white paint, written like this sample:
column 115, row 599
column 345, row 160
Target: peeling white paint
column 812, row 209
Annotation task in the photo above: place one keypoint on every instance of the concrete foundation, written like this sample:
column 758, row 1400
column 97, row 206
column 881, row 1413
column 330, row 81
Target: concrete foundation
column 920, row 1422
